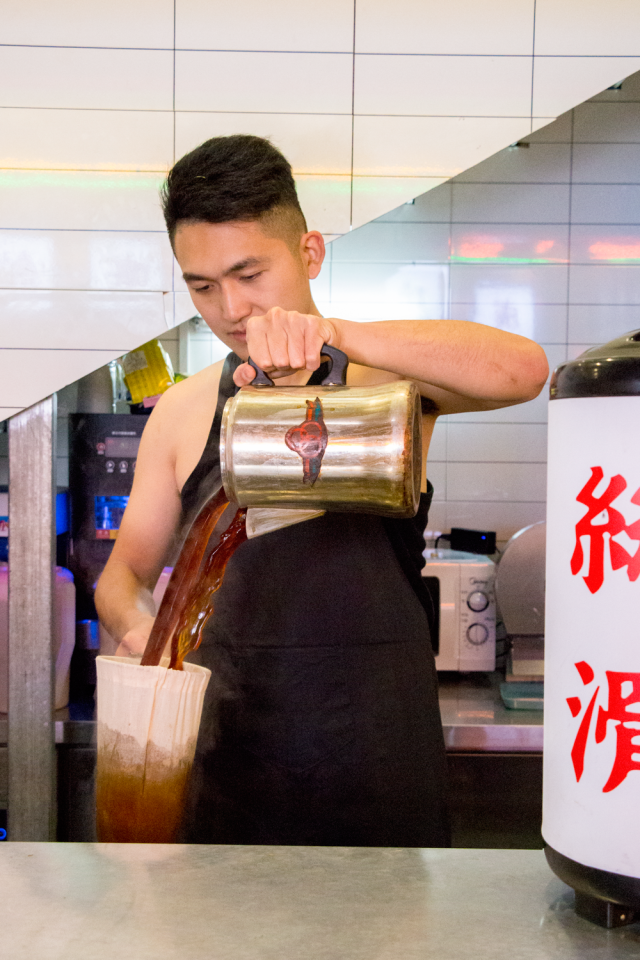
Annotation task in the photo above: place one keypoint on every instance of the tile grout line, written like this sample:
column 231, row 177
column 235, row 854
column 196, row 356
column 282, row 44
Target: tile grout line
column 332, row 53
column 569, row 236
column 173, row 262
column 533, row 61
column 353, row 108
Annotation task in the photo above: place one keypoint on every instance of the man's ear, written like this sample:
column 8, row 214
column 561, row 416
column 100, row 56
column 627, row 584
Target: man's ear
column 313, row 251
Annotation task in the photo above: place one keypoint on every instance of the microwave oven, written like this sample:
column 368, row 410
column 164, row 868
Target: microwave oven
column 462, row 590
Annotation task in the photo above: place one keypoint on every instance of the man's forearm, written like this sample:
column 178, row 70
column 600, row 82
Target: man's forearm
column 123, row 602
column 455, row 355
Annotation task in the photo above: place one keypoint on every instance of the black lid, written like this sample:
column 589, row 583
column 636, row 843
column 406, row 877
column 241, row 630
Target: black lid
column 612, row 370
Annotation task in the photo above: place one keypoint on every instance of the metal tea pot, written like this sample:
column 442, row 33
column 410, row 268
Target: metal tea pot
column 328, row 447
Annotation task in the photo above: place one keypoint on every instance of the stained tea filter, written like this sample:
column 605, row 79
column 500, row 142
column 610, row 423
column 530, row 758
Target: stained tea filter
column 148, row 720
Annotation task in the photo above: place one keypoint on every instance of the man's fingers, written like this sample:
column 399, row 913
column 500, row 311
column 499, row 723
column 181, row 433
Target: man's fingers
column 243, row 375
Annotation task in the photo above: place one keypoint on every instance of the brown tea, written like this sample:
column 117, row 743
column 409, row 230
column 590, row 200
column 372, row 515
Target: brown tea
column 187, row 603
column 140, row 787
column 139, row 798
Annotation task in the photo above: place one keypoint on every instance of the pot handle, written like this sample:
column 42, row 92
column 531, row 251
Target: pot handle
column 337, row 376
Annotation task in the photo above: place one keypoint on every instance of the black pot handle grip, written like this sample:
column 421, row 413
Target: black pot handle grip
column 337, row 376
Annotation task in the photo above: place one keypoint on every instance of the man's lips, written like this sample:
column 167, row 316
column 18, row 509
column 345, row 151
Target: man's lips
column 239, row 335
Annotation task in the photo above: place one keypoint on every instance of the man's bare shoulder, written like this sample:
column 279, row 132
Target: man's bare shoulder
column 180, row 423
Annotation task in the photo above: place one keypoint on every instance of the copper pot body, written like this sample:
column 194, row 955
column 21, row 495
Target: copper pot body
column 338, row 448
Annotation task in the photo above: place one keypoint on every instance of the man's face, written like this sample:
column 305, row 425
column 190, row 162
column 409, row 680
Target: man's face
column 235, row 271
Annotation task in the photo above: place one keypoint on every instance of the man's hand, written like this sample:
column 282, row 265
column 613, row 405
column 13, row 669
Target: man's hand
column 283, row 341
column 135, row 640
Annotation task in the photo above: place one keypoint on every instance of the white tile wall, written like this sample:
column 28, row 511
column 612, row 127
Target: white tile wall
column 558, row 85
column 119, row 23
column 591, row 29
column 60, row 77
column 375, row 103
column 543, row 241
column 432, row 27
column 258, row 82
column 287, row 25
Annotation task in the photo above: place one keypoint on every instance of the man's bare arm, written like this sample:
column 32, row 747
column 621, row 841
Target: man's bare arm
column 457, row 364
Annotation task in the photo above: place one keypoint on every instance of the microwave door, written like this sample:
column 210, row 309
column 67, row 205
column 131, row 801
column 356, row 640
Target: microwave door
column 448, row 650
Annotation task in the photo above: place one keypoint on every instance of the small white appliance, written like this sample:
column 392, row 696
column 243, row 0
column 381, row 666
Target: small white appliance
column 462, row 589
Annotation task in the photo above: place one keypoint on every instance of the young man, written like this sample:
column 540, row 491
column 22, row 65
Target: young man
column 322, row 723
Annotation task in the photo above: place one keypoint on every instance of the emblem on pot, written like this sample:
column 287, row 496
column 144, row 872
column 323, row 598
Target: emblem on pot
column 309, row 441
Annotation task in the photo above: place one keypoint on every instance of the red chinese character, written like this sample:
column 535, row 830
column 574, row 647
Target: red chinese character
column 624, row 710
column 585, row 527
column 580, row 742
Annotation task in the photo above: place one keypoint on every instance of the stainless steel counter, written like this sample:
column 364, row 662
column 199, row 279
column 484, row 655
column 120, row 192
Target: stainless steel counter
column 474, row 717
column 137, row 902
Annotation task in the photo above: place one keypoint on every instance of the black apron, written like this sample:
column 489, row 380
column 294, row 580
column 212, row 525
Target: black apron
column 321, row 723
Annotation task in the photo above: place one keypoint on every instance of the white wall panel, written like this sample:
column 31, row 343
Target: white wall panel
column 504, row 203
column 273, row 82
column 597, row 323
column 606, row 163
column 606, row 203
column 567, row 28
column 394, row 287
column 431, row 207
column 443, row 86
column 85, row 260
column 312, row 143
column 325, row 202
column 552, row 131
column 536, row 163
column 86, row 139
column 562, row 82
column 77, row 320
column 511, row 243
column 605, row 283
column 278, row 25
column 457, row 26
column 607, row 123
column 27, row 376
column 79, row 200
column 509, row 286
column 408, row 243
column 88, row 23
column 429, row 146
column 86, row 79
column 534, row 411
column 544, row 323
column 497, row 481
column 373, row 196
column 497, row 442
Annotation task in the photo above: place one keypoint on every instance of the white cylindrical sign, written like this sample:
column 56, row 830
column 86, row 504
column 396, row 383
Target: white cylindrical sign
column 592, row 633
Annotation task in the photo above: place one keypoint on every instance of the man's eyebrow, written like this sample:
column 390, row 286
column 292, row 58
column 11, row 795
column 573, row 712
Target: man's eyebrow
column 236, row 268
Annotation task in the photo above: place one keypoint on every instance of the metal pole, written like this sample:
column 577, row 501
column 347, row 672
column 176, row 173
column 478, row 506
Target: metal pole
column 31, row 735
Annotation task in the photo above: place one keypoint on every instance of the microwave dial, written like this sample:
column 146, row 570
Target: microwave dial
column 477, row 601
column 477, row 633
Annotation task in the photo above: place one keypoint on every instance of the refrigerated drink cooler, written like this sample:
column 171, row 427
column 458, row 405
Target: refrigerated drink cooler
column 102, row 461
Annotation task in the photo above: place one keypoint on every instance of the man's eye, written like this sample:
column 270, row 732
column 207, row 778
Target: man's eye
column 201, row 289
column 252, row 276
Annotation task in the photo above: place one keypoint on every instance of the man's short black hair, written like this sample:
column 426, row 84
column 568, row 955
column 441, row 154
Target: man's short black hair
column 241, row 177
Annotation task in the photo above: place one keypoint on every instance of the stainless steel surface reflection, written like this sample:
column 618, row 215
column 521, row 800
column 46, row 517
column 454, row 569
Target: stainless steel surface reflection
column 372, row 460
column 155, row 902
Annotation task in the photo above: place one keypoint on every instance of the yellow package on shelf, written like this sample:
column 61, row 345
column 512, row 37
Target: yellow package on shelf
column 148, row 371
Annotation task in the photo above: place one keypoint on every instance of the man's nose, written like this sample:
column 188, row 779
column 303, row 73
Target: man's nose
column 235, row 304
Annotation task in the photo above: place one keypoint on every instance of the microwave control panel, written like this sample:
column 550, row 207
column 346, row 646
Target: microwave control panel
column 477, row 624
column 461, row 586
